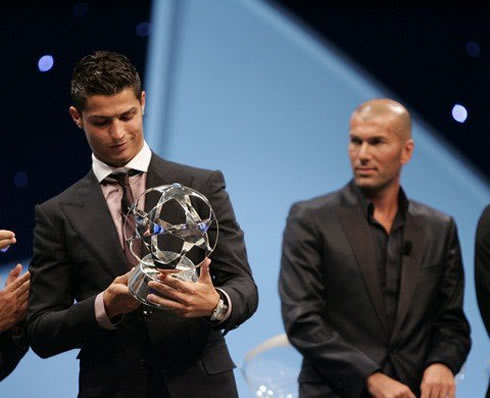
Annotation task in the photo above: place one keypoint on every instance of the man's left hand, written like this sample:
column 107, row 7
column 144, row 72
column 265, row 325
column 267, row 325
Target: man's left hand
column 438, row 382
column 187, row 299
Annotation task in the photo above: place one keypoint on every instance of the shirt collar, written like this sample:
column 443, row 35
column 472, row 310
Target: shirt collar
column 367, row 206
column 140, row 162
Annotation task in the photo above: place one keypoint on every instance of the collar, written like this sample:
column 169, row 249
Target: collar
column 140, row 163
column 367, row 206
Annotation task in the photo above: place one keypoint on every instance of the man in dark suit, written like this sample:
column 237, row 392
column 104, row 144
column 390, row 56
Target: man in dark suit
column 13, row 307
column 482, row 270
column 80, row 298
column 371, row 283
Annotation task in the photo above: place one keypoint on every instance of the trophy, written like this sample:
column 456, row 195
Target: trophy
column 177, row 233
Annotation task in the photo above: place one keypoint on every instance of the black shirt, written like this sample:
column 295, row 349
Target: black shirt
column 389, row 249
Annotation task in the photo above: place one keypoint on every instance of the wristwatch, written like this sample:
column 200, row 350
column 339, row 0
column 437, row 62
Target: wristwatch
column 220, row 311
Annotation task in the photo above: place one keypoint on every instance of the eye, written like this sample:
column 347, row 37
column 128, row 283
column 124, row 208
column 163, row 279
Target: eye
column 376, row 141
column 101, row 123
column 355, row 141
column 126, row 117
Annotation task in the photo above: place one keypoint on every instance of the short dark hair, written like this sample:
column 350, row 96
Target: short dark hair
column 103, row 73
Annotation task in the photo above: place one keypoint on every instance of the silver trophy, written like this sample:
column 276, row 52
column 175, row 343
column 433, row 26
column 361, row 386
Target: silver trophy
column 178, row 232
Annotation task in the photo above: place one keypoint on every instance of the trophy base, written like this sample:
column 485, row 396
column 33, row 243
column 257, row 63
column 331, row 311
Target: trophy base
column 144, row 273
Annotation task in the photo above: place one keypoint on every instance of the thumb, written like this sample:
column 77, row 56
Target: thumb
column 204, row 275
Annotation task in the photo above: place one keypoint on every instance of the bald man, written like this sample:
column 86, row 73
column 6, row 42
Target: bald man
column 371, row 283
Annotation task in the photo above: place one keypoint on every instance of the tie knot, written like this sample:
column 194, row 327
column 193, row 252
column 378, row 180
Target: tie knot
column 120, row 178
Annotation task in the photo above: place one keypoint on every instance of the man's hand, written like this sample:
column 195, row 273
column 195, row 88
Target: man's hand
column 7, row 238
column 381, row 386
column 187, row 299
column 117, row 298
column 14, row 298
column 438, row 382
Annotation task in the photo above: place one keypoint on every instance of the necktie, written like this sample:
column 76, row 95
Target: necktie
column 128, row 220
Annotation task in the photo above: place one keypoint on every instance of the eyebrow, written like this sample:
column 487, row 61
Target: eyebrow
column 105, row 117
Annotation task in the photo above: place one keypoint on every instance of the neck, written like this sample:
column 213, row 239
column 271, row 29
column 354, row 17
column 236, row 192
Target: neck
column 385, row 204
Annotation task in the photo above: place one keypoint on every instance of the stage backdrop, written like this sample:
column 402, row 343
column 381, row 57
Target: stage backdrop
column 237, row 86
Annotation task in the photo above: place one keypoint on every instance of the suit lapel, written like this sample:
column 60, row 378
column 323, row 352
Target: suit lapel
column 357, row 230
column 411, row 264
column 90, row 217
column 161, row 172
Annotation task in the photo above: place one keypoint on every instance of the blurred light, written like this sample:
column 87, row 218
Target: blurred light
column 21, row 179
column 473, row 49
column 45, row 63
column 459, row 112
column 143, row 29
column 80, row 9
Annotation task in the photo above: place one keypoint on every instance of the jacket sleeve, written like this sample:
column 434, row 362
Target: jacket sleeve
column 56, row 321
column 450, row 341
column 13, row 346
column 482, row 267
column 229, row 265
column 302, row 290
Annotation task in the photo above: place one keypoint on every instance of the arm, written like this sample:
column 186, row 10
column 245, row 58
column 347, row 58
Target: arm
column 13, row 305
column 56, row 323
column 482, row 267
column 302, row 288
column 450, row 340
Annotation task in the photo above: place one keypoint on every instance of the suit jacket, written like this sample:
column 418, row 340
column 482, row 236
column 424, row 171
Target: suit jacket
column 12, row 348
column 332, row 303
column 77, row 254
column 482, row 266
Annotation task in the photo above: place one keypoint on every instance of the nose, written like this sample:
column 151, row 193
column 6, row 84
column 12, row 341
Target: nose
column 364, row 152
column 117, row 130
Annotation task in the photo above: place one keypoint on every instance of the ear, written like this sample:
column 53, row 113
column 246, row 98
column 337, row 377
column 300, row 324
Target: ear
column 143, row 102
column 76, row 116
column 407, row 151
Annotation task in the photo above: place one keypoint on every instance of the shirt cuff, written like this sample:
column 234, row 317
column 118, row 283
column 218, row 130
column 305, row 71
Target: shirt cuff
column 100, row 315
column 228, row 302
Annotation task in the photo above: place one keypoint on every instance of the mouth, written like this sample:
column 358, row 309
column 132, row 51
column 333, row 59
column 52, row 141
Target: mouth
column 362, row 171
column 118, row 146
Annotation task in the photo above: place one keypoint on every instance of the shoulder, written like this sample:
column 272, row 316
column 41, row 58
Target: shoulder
column 74, row 191
column 483, row 229
column 320, row 207
column 178, row 172
column 427, row 214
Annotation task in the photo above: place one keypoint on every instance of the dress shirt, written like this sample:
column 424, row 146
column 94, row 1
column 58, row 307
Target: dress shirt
column 389, row 248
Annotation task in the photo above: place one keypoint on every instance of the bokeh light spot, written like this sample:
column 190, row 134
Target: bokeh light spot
column 473, row 49
column 45, row 63
column 143, row 29
column 21, row 179
column 459, row 112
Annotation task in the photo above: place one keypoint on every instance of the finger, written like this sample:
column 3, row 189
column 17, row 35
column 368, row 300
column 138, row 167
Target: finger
column 23, row 289
column 16, row 283
column 124, row 278
column 164, row 302
column 6, row 234
column 6, row 238
column 14, row 273
column 170, row 280
column 204, row 275
column 167, row 291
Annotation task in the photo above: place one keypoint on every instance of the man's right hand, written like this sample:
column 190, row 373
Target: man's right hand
column 14, row 298
column 381, row 386
column 117, row 298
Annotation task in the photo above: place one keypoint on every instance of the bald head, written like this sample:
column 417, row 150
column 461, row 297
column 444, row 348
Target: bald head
column 390, row 112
